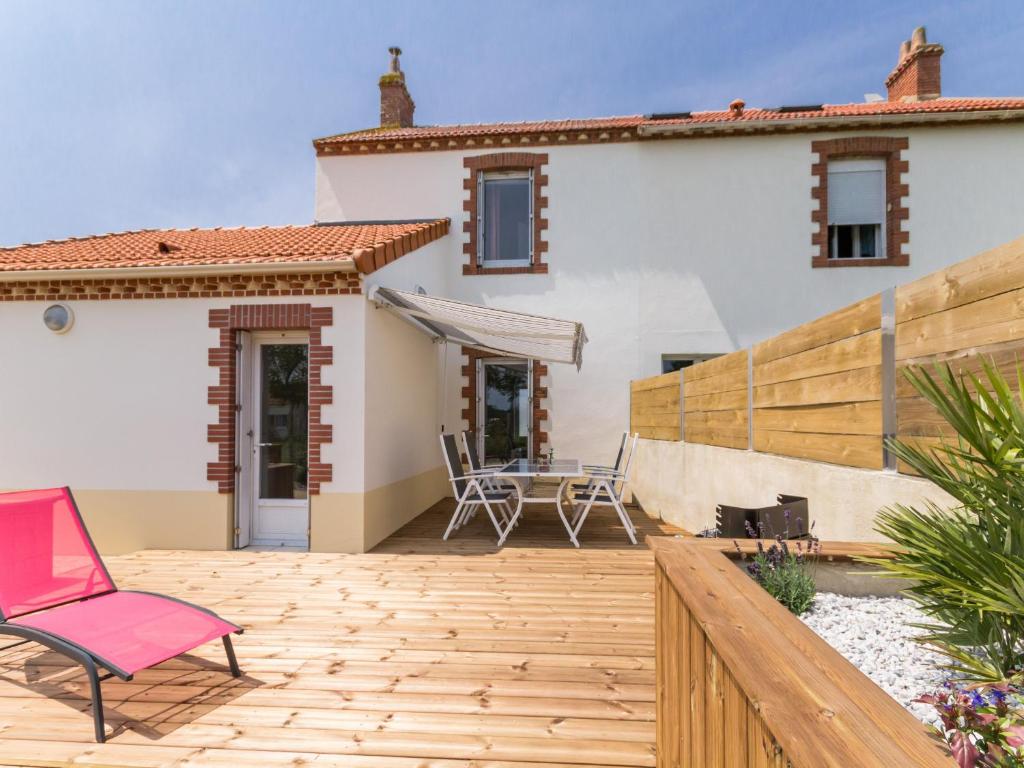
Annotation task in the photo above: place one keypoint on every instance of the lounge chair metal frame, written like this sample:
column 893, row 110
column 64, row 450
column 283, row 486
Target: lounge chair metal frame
column 89, row 660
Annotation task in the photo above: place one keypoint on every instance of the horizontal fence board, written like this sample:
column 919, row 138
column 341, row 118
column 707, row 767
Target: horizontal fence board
column 725, row 420
column 861, row 351
column 855, row 319
column 655, row 382
column 992, row 320
column 987, row 274
column 734, row 363
column 715, row 401
column 654, row 407
column 723, row 438
column 722, row 401
column 850, row 450
column 858, row 385
column 666, row 420
column 863, row 418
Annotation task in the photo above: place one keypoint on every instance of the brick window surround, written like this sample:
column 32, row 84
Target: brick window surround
column 505, row 161
column 887, row 148
column 469, row 394
column 267, row 317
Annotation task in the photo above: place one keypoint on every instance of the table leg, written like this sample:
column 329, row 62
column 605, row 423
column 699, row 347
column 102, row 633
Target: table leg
column 561, row 513
column 515, row 517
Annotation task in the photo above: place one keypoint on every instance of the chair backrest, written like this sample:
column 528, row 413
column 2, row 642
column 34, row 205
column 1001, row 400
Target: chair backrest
column 46, row 555
column 453, row 461
column 629, row 463
column 622, row 447
column 469, row 439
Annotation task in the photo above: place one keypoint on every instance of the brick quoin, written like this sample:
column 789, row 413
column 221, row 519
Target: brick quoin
column 540, row 396
column 267, row 317
column 505, row 161
column 887, row 148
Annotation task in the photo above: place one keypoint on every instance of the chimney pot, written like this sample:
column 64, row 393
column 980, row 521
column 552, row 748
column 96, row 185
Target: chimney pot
column 736, row 107
column 396, row 105
column 918, row 38
column 918, row 73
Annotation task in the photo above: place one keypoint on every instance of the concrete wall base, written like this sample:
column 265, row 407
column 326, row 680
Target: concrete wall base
column 683, row 482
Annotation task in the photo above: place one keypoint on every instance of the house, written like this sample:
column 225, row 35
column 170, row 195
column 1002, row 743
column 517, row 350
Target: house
column 218, row 388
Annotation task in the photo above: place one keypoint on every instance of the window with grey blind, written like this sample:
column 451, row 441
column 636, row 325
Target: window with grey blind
column 856, row 209
column 505, row 218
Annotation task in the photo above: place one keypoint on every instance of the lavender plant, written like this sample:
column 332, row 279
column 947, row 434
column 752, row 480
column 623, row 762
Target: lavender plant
column 786, row 575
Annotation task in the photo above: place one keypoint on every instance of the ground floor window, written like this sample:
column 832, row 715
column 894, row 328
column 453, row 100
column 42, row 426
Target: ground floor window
column 676, row 362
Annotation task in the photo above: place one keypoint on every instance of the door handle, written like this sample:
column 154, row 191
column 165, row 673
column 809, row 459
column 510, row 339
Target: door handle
column 265, row 445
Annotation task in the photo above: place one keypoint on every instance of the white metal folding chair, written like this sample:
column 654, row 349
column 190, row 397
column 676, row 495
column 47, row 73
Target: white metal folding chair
column 616, row 467
column 604, row 488
column 491, row 483
column 471, row 493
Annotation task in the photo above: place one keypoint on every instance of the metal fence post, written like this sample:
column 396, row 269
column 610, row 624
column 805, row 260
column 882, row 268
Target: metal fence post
column 888, row 377
column 750, row 399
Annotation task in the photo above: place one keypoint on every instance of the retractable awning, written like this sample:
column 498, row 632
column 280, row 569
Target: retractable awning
column 491, row 330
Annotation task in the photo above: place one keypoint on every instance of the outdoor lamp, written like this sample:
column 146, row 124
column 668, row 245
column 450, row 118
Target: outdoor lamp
column 58, row 318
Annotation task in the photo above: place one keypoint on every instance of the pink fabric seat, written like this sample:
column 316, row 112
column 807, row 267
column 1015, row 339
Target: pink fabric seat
column 130, row 631
column 55, row 591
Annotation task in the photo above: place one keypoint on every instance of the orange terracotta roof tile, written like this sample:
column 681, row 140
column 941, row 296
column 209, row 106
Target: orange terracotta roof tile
column 439, row 136
column 427, row 132
column 345, row 243
column 866, row 109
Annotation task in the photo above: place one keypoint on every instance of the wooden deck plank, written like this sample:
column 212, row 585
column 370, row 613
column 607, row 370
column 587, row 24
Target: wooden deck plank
column 419, row 653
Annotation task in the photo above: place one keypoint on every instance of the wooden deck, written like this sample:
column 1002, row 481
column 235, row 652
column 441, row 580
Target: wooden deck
column 421, row 653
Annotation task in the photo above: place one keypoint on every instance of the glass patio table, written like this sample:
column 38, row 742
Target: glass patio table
column 519, row 470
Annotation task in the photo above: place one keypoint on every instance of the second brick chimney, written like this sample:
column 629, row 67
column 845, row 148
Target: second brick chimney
column 396, row 105
column 917, row 76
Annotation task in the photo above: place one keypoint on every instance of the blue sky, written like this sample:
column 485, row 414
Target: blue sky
column 124, row 115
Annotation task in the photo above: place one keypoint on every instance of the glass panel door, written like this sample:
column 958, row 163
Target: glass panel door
column 283, row 421
column 505, row 410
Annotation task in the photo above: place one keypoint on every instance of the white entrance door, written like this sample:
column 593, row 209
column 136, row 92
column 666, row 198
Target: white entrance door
column 504, row 409
column 273, row 503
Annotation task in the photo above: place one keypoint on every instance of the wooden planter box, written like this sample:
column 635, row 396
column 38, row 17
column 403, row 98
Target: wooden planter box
column 743, row 682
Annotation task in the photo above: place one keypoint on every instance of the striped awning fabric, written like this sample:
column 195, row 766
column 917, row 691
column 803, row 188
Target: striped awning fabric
column 516, row 334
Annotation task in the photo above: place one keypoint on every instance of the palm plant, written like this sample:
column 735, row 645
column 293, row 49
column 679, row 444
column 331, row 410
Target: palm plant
column 967, row 563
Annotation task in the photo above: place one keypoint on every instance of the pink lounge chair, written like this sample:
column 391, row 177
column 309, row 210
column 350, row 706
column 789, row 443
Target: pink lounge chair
column 55, row 591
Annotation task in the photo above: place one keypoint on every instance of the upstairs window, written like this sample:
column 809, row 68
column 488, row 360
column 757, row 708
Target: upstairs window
column 856, row 209
column 505, row 218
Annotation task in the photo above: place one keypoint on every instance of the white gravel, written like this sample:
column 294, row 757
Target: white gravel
column 875, row 635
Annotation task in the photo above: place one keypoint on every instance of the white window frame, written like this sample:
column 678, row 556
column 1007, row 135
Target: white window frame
column 694, row 358
column 846, row 165
column 483, row 176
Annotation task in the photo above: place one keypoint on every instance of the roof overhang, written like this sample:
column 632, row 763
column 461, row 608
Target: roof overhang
column 104, row 273
column 487, row 329
column 838, row 122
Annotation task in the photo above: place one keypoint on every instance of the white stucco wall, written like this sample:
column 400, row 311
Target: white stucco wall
column 684, row 246
column 403, row 383
column 120, row 401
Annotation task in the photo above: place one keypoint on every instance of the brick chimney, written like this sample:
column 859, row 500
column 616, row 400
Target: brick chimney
column 917, row 74
column 396, row 105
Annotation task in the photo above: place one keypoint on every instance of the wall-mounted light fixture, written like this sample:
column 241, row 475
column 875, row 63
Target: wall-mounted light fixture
column 58, row 318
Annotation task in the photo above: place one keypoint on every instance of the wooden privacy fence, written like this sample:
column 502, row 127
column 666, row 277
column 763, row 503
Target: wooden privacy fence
column 715, row 410
column 654, row 407
column 966, row 314
column 743, row 682
column 817, row 390
column 832, row 389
